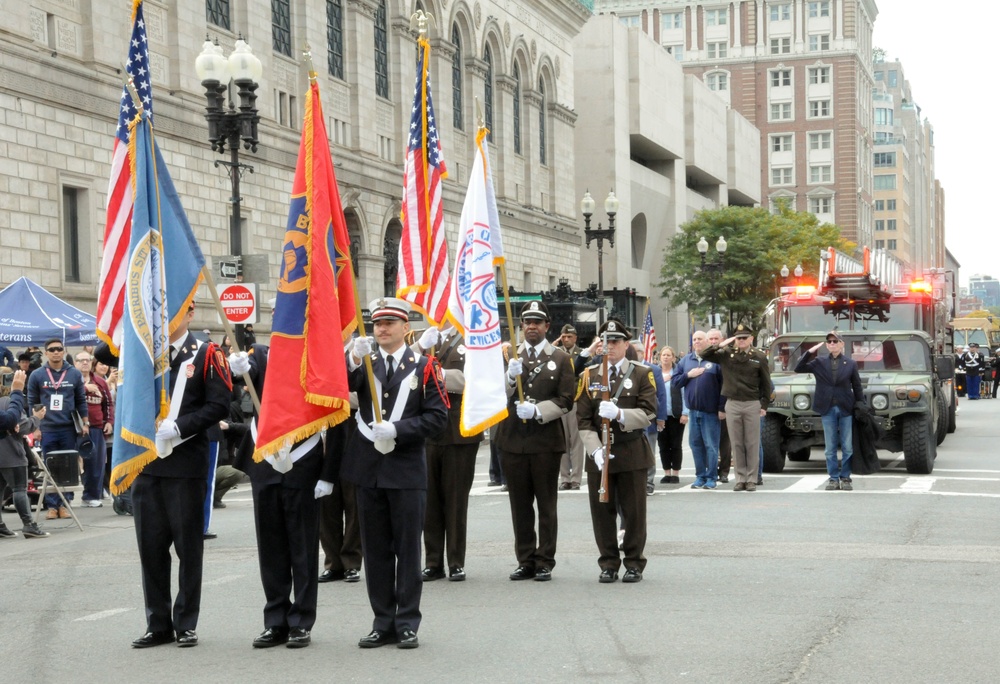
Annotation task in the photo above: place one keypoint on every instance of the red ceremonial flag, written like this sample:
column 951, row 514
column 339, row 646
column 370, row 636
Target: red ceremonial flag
column 118, row 225
column 423, row 277
column 305, row 388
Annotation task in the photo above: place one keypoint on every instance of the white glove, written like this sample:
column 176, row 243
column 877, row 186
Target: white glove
column 429, row 338
column 384, row 430
column 599, row 458
column 608, row 410
column 514, row 368
column 362, row 347
column 239, row 363
column 167, row 430
column 323, row 488
column 526, row 410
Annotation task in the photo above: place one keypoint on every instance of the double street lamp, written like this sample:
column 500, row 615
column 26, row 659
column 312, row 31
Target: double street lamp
column 587, row 206
column 714, row 268
column 797, row 272
column 227, row 125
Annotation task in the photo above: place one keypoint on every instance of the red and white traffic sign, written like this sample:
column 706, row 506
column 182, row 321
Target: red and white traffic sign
column 239, row 301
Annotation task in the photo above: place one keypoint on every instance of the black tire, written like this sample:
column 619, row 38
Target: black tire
column 799, row 454
column 919, row 447
column 942, row 418
column 770, row 437
column 952, row 411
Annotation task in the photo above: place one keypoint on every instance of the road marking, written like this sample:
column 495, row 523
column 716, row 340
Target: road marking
column 102, row 614
column 917, row 484
column 808, row 483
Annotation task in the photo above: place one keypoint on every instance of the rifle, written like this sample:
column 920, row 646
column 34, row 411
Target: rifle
column 602, row 493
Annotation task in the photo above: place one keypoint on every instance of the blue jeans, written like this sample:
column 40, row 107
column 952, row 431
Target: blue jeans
column 838, row 428
column 58, row 439
column 93, row 466
column 704, row 430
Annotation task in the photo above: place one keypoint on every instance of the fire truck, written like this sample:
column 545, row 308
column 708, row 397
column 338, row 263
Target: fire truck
column 895, row 326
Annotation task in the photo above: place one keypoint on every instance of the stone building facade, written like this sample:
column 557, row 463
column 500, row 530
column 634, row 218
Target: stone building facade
column 60, row 81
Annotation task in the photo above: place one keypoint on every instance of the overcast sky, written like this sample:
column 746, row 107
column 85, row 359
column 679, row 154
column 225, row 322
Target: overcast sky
column 948, row 56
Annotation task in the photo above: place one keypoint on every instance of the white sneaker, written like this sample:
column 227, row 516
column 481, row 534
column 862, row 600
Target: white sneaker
column 93, row 503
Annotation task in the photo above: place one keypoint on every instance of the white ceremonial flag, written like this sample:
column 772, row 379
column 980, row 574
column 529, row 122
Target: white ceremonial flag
column 472, row 302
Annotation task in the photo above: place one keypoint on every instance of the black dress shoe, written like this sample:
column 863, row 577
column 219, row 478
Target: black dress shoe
column 724, row 478
column 330, row 576
column 272, row 636
column 431, row 574
column 456, row 574
column 298, row 638
column 218, row 504
column 632, row 575
column 543, row 575
column 352, row 576
column 523, row 572
column 665, row 479
column 210, row 535
column 608, row 576
column 407, row 639
column 150, row 639
column 376, row 639
column 187, row 638
column 493, row 483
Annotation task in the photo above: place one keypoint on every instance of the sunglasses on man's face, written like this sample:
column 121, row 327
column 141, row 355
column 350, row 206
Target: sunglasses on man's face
column 54, row 349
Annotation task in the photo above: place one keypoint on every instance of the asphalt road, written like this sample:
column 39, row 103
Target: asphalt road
column 894, row 582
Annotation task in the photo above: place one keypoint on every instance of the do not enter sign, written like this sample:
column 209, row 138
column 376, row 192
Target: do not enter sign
column 239, row 301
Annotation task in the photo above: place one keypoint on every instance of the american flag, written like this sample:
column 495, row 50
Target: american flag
column 423, row 277
column 648, row 337
column 118, row 226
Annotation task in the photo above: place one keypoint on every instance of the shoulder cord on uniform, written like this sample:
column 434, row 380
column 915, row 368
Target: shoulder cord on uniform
column 215, row 362
column 433, row 370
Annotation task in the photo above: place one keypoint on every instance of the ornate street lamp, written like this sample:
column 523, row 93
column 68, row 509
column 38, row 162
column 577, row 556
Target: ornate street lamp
column 715, row 268
column 229, row 125
column 587, row 206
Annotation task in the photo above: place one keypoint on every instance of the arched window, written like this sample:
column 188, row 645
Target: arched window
column 488, row 92
column 541, row 122
column 456, row 79
column 390, row 252
column 381, row 52
column 517, row 109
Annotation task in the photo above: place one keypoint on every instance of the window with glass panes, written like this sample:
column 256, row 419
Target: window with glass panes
column 781, row 46
column 716, row 50
column 488, row 92
column 781, row 77
column 819, row 141
column 517, row 109
column 456, row 80
column 335, row 37
column 819, row 9
column 281, row 27
column 217, row 13
column 781, row 176
column 819, row 108
column 541, row 122
column 781, row 143
column 381, row 52
column 819, row 75
column 820, row 205
column 781, row 12
column 820, row 174
column 781, row 111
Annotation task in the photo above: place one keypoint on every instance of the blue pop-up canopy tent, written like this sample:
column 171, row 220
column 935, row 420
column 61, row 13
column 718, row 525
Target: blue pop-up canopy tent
column 30, row 315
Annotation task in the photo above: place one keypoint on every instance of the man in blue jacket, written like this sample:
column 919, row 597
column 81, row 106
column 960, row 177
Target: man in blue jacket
column 702, row 383
column 838, row 387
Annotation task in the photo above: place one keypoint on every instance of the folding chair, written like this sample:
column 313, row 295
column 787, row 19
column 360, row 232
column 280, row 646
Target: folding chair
column 69, row 473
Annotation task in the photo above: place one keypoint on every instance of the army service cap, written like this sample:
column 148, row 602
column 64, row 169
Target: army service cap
column 615, row 330
column 743, row 331
column 536, row 311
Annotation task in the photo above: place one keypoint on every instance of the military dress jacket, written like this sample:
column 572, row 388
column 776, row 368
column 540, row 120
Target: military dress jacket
column 451, row 356
column 549, row 382
column 745, row 374
column 635, row 389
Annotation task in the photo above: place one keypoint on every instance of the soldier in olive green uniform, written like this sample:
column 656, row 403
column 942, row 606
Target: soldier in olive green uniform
column 746, row 384
column 629, row 411
column 531, row 442
column 451, row 468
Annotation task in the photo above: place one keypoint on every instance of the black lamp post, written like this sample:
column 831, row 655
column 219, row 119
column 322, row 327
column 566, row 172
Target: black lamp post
column 715, row 268
column 229, row 125
column 587, row 206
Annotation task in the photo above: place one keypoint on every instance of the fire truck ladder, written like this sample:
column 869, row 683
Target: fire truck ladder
column 842, row 276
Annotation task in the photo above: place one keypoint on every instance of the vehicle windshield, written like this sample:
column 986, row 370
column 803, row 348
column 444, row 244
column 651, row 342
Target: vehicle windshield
column 897, row 316
column 871, row 353
column 967, row 337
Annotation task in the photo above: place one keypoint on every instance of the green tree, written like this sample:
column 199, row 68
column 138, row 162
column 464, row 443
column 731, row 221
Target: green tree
column 759, row 243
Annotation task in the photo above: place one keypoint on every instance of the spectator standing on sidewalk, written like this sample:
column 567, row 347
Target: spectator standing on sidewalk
column 702, row 383
column 13, row 456
column 102, row 415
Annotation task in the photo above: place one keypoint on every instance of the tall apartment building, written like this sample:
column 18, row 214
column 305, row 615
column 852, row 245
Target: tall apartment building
column 907, row 196
column 801, row 72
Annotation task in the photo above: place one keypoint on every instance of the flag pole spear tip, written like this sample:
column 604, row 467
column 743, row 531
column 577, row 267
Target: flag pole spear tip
column 130, row 86
column 308, row 59
column 420, row 21
column 480, row 122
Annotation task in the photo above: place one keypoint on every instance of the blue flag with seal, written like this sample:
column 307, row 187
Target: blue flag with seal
column 163, row 272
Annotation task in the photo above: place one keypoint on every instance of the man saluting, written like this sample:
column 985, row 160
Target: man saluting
column 386, row 461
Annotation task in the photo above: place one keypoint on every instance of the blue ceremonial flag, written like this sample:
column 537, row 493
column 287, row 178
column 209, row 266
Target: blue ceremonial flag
column 163, row 272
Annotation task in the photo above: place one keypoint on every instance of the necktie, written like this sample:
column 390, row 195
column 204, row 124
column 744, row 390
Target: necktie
column 531, row 354
column 613, row 374
column 173, row 353
column 389, row 367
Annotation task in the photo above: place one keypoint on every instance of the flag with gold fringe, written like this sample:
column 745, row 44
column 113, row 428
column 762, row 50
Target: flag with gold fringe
column 305, row 388
column 472, row 302
column 163, row 271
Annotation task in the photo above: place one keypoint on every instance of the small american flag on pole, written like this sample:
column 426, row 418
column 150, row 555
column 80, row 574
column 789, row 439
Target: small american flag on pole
column 118, row 226
column 423, row 277
column 648, row 337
